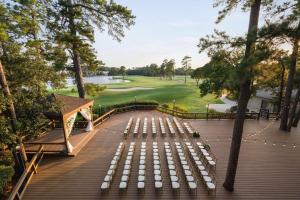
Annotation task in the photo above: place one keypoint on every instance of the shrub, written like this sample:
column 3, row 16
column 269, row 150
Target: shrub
column 180, row 109
column 166, row 106
column 6, row 174
column 94, row 89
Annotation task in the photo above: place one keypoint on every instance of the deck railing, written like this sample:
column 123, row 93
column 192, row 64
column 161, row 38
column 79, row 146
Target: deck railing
column 25, row 178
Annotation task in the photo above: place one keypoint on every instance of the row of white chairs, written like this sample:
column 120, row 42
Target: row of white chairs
column 207, row 179
column 162, row 126
column 112, row 168
column 172, row 168
column 153, row 126
column 178, row 125
column 128, row 127
column 172, row 130
column 145, row 126
column 142, row 168
column 206, row 155
column 188, row 128
column 191, row 182
column 137, row 125
column 158, row 180
column 127, row 167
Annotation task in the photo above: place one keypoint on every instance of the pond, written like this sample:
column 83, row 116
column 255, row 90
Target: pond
column 98, row 80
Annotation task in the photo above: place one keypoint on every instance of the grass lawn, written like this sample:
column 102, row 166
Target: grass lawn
column 187, row 96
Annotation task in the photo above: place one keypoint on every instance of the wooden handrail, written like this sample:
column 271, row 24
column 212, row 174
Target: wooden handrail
column 22, row 183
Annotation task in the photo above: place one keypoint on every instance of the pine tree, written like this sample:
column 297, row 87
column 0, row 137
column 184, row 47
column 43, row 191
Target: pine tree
column 71, row 24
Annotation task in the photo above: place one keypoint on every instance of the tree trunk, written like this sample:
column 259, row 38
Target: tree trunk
column 76, row 58
column 296, row 119
column 293, row 111
column 289, row 87
column 281, row 87
column 185, row 78
column 244, row 95
column 7, row 94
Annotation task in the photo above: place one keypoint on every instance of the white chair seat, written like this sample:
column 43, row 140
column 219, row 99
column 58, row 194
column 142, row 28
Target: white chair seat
column 189, row 178
column 182, row 157
column 124, row 178
column 107, row 178
column 154, row 143
column 206, row 154
column 141, row 172
column 192, row 185
column 130, row 153
column 123, row 185
column 204, row 173
column 207, row 179
column 127, row 162
column 210, row 185
column 168, row 151
column 169, row 158
column 141, row 185
column 199, row 143
column 155, row 154
column 208, row 158
column 183, row 162
column 113, row 162
column 156, row 161
column 112, row 167
column 143, row 150
column 142, row 157
column 192, row 150
column 187, row 172
column 142, row 162
column 104, row 186
column 181, row 154
column 126, row 172
column 110, row 172
column 142, row 167
column 157, row 172
column 143, row 154
column 156, row 167
column 172, row 172
column 141, row 178
column 158, row 184
column 128, row 157
column 171, row 167
column 201, row 167
column 194, row 154
column 170, row 162
column 196, row 158
column 174, row 178
column 185, row 167
column 175, row 185
column 155, row 150
column 168, row 154
column 177, row 143
column 127, row 167
column 157, row 177
column 198, row 162
column 213, row 163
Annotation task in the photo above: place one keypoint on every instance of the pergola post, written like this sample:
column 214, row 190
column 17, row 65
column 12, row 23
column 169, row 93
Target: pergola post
column 65, row 135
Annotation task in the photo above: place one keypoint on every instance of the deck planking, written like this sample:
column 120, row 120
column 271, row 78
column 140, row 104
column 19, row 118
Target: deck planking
column 265, row 171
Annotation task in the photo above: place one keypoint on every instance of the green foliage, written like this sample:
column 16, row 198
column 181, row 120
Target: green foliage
column 94, row 89
column 6, row 173
column 165, row 105
column 179, row 109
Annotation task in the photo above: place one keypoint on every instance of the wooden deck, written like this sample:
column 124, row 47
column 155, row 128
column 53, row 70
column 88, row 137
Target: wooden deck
column 56, row 143
column 268, row 167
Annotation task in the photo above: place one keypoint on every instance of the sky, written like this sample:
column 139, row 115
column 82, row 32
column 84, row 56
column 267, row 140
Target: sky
column 166, row 29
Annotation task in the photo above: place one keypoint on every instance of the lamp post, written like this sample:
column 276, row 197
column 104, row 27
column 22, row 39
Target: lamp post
column 207, row 110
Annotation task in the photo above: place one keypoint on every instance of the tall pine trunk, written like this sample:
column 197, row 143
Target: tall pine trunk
column 244, row 95
column 293, row 111
column 10, row 104
column 289, row 87
column 76, row 57
column 281, row 87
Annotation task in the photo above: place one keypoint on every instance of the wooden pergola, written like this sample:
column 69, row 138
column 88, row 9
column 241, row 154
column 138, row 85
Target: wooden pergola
column 69, row 107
